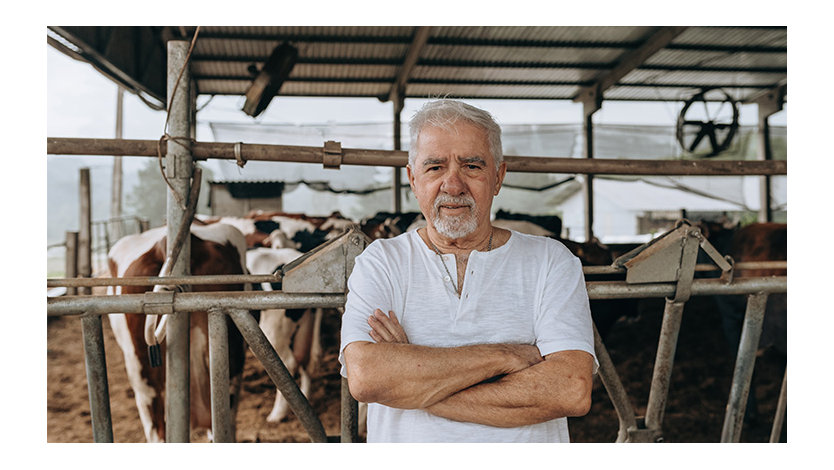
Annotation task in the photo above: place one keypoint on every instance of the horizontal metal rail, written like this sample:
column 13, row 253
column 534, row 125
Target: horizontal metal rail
column 200, row 301
column 187, row 302
column 399, row 158
column 621, row 290
column 698, row 267
column 164, row 281
column 259, row 278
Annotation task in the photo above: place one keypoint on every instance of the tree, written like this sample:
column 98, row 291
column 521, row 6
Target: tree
column 147, row 198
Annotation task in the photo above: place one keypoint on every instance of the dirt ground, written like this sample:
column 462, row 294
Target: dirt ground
column 695, row 408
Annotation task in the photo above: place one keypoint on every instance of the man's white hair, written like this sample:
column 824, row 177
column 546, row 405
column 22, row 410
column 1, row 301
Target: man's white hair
column 444, row 114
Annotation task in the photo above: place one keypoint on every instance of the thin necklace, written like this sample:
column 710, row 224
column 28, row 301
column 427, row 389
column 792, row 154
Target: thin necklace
column 449, row 274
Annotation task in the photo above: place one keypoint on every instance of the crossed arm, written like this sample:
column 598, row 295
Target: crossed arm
column 504, row 385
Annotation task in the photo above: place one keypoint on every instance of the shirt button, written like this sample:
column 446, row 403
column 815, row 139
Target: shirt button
column 447, row 279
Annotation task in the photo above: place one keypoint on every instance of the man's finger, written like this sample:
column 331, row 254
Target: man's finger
column 398, row 330
column 380, row 329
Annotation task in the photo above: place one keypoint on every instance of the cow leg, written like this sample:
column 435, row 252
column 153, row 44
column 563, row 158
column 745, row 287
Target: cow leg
column 316, row 351
column 199, row 373
column 148, row 402
column 279, row 330
column 303, row 339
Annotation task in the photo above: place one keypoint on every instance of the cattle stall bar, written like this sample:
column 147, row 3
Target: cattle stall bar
column 632, row 429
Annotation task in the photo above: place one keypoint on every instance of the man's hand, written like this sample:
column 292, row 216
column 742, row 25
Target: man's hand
column 396, row 373
column 386, row 328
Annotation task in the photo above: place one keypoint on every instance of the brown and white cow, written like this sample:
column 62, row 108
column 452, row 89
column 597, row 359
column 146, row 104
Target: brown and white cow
column 215, row 249
column 294, row 333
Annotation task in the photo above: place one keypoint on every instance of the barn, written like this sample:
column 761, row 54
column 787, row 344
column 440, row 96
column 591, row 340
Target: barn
column 586, row 179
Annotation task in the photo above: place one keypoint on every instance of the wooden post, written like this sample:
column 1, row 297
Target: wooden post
column 85, row 238
column 71, row 259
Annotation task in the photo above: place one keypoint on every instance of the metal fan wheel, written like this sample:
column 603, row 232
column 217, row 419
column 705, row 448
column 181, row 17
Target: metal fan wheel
column 707, row 123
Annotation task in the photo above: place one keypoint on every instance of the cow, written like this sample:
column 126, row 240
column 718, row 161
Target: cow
column 215, row 249
column 294, row 333
column 551, row 223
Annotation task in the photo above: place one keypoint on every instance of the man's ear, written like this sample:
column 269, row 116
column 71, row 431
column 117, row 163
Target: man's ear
column 410, row 179
column 502, row 171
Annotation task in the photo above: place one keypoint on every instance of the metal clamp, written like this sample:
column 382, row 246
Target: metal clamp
column 158, row 303
column 332, row 155
column 238, row 156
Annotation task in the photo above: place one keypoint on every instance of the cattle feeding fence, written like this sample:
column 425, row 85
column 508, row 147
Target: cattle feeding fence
column 237, row 304
column 181, row 150
column 631, row 428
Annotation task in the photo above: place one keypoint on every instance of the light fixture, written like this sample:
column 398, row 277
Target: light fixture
column 269, row 80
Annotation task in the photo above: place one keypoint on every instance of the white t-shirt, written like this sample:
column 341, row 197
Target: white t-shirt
column 530, row 290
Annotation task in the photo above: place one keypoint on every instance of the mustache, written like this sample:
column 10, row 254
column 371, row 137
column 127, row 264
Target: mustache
column 446, row 199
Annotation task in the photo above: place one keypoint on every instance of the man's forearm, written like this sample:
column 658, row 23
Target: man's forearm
column 411, row 376
column 558, row 387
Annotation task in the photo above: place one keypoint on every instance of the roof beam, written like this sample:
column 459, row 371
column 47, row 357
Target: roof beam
column 421, row 36
column 774, row 96
column 591, row 96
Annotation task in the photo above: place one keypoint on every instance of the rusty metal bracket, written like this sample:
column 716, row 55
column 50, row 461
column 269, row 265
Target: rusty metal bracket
column 158, row 303
column 327, row 267
column 671, row 257
column 686, row 270
column 642, row 434
column 332, row 155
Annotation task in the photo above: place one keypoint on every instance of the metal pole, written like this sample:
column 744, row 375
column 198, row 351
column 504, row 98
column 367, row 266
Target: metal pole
column 71, row 259
column 616, row 392
column 589, row 109
column 371, row 157
column 200, row 301
column 781, row 410
column 116, row 190
column 350, row 415
column 222, row 426
column 745, row 361
column 84, row 229
column 96, row 366
column 397, row 184
column 768, row 103
column 178, row 169
column 188, row 302
column 666, row 347
column 278, row 372
column 765, row 154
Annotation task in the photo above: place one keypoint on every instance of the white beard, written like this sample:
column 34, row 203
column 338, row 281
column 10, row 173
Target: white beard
column 457, row 226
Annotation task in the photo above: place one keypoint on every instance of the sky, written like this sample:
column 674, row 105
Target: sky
column 79, row 102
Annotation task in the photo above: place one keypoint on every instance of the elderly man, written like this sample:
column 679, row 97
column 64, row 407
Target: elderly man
column 461, row 331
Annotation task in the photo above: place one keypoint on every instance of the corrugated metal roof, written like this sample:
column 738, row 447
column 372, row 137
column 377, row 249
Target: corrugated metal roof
column 540, row 62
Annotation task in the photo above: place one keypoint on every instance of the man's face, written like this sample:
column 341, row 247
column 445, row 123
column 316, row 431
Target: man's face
column 455, row 178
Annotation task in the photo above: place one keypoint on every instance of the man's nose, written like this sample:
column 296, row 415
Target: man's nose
column 453, row 183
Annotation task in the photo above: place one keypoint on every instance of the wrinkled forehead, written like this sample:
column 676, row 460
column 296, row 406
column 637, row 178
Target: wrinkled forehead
column 460, row 139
